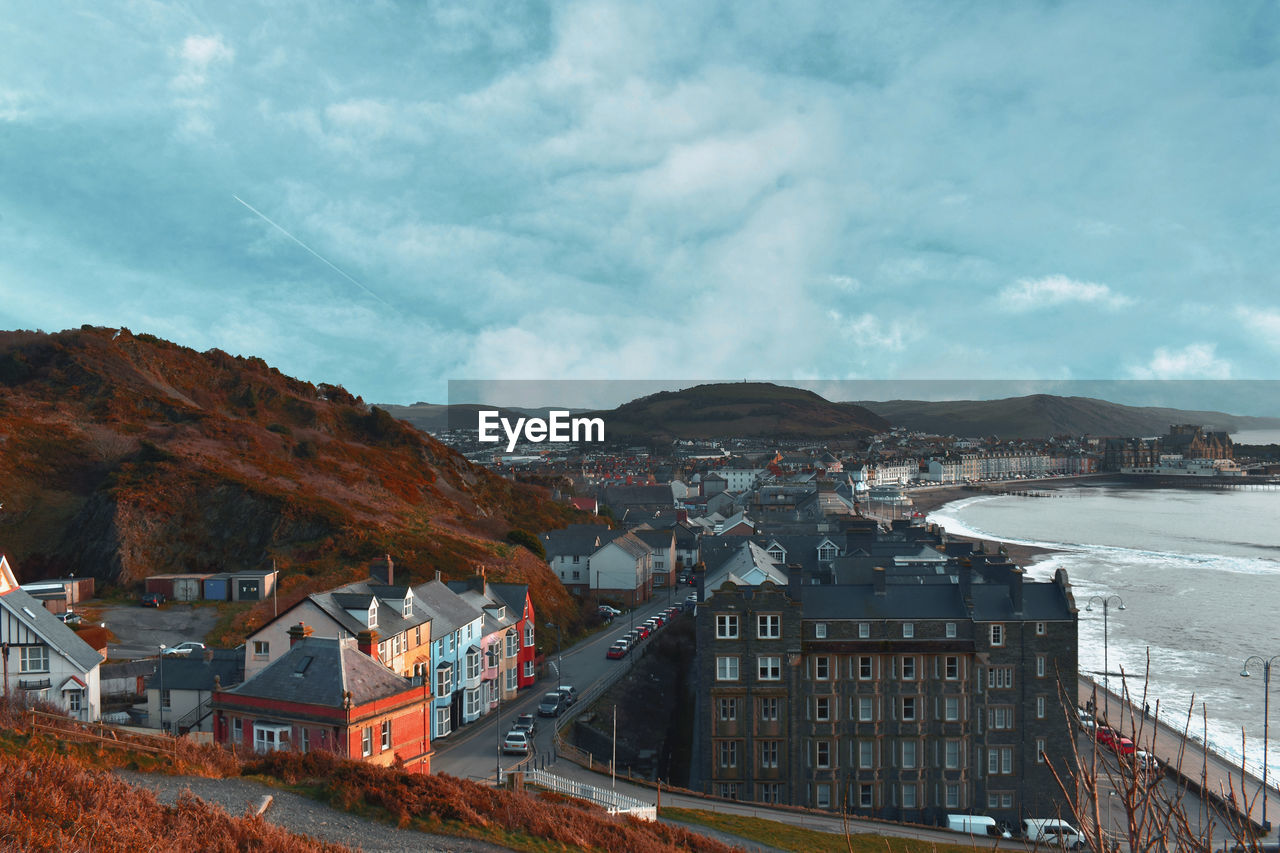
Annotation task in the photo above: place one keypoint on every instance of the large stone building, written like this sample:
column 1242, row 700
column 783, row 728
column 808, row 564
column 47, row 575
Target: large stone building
column 924, row 691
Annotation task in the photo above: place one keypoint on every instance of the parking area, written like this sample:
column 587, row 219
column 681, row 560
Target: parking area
column 140, row 631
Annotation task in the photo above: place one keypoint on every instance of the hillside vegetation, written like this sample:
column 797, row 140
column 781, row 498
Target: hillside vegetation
column 123, row 455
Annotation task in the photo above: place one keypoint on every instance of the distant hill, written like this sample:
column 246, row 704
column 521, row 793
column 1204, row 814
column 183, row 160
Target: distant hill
column 123, row 455
column 437, row 418
column 1045, row 415
column 739, row 410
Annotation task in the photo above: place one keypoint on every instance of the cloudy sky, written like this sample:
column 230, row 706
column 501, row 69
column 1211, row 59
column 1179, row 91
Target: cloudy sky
column 392, row 195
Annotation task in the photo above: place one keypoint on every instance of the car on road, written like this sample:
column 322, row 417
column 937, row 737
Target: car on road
column 643, row 631
column 526, row 723
column 609, row 612
column 183, row 649
column 1112, row 739
column 516, row 743
column 617, row 650
column 552, row 705
column 151, row 599
column 570, row 695
column 1145, row 762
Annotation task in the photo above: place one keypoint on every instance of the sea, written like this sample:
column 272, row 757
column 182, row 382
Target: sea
column 1198, row 572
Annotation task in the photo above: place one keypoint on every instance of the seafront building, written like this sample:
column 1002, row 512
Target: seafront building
column 901, row 691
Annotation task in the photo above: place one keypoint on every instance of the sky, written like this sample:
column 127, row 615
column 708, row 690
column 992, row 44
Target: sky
column 388, row 196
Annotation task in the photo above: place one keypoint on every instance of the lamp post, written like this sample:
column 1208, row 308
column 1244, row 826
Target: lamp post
column 160, row 670
column 559, row 656
column 1107, row 601
column 1266, row 714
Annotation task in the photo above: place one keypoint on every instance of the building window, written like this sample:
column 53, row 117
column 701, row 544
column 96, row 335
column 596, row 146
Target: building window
column 999, row 761
column 1039, row 629
column 444, row 721
column 1006, row 800
column 908, row 669
column 908, row 796
column 1000, row 717
column 728, row 753
column 577, row 575
column 820, row 630
column 864, row 630
column 822, row 754
column 728, row 709
column 768, row 754
column 471, row 706
column 822, row 668
column 951, row 708
column 953, row 795
column 866, row 754
column 1040, row 707
column 770, row 792
column 237, row 730
column 473, row 664
column 366, row 741
column 768, row 626
column 822, row 708
column 528, row 634
column 528, row 669
column 386, row 734
column 513, row 644
column 1000, row 677
column 866, row 797
column 726, row 626
column 305, row 734
column 729, row 790
column 951, row 630
column 822, row 795
column 865, row 709
column 908, row 708
column 267, row 738
column 73, row 701
column 1040, row 666
column 444, row 681
column 261, row 649
column 951, row 755
column 513, row 679
column 864, row 668
column 33, row 659
column 908, row 630
column 770, row 668
column 1039, row 750
column 727, row 668
column 951, row 667
column 993, row 801
column 997, row 635
column 909, row 755
column 769, row 709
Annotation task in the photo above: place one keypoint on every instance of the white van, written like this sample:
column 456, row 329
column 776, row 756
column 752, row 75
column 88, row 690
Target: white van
column 975, row 824
column 1051, row 832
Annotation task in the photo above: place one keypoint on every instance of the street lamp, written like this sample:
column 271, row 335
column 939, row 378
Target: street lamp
column 559, row 656
column 160, row 669
column 1107, row 601
column 1266, row 713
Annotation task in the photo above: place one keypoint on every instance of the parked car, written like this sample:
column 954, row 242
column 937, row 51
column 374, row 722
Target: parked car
column 70, row 618
column 1145, row 762
column 1112, row 739
column 151, row 599
column 609, row 612
column 570, row 695
column 643, row 631
column 516, row 743
column 526, row 723
column 552, row 705
column 183, row 649
column 617, row 650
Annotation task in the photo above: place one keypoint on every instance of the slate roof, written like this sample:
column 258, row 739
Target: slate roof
column 319, row 671
column 900, row 601
column 581, row 540
column 623, row 496
column 656, row 538
column 514, row 595
column 357, row 596
column 196, row 673
column 632, row 545
column 447, row 610
column 26, row 609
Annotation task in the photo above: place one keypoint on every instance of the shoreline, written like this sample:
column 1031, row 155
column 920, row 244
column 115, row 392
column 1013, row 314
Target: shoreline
column 930, row 499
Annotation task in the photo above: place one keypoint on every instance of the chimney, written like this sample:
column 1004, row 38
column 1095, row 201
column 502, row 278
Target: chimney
column 1015, row 589
column 367, row 643
column 437, row 574
column 877, row 579
column 682, row 516
column 298, row 632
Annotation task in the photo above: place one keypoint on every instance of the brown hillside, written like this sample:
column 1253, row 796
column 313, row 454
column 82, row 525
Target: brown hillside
column 123, row 455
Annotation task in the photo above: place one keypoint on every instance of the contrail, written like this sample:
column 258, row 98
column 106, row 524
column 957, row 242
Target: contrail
column 316, row 254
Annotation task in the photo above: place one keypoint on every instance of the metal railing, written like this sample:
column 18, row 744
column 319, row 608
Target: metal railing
column 610, row 800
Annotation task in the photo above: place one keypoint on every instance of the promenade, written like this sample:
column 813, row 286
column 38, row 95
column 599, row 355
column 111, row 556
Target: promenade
column 1185, row 754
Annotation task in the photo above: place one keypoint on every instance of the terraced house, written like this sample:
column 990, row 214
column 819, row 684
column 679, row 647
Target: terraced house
column 924, row 690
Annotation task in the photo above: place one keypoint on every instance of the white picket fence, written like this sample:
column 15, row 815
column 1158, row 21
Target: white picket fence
column 611, row 800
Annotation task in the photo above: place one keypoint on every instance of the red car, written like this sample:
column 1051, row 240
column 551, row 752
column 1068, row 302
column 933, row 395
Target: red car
column 1112, row 739
column 644, row 631
column 617, row 650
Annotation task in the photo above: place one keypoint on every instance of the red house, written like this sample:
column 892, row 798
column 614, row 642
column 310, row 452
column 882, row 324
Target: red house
column 516, row 597
column 328, row 693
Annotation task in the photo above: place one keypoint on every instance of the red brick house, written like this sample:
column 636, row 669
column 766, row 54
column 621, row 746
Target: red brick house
column 332, row 694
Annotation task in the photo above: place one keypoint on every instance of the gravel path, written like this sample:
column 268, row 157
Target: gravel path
column 303, row 815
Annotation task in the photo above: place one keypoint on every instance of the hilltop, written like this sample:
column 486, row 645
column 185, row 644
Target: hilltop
column 1046, row 415
column 124, row 455
column 740, row 410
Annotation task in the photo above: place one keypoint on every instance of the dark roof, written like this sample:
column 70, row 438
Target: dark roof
column 656, row 538
column 514, row 595
column 196, row 673
column 580, row 540
column 623, row 496
column 899, row 601
column 448, row 610
column 26, row 609
column 320, row 671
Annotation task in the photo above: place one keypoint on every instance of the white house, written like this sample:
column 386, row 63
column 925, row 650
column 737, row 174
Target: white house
column 623, row 567
column 44, row 659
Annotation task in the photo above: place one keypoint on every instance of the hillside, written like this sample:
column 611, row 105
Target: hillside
column 1045, row 415
column 123, row 455
column 740, row 410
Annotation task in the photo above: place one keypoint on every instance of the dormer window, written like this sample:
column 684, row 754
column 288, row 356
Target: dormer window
column 407, row 609
column 373, row 614
column 827, row 552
